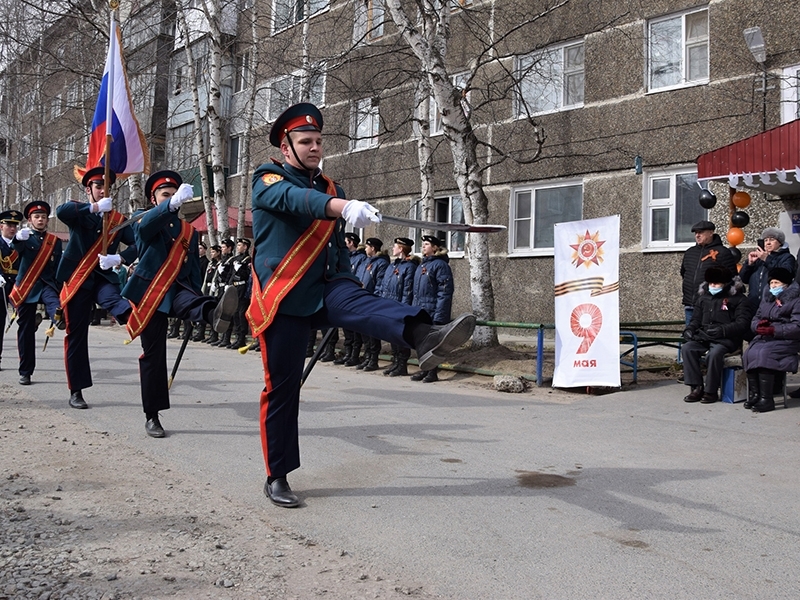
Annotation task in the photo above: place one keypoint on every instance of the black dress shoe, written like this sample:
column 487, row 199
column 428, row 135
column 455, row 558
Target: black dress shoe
column 76, row 400
column 438, row 341
column 280, row 493
column 24, row 379
column 153, row 428
column 709, row 398
column 695, row 395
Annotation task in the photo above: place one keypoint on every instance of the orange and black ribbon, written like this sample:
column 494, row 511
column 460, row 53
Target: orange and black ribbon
column 22, row 288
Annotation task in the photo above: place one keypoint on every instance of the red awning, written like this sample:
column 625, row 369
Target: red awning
column 199, row 222
column 767, row 162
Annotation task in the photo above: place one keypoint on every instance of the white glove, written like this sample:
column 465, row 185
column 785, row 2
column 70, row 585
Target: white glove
column 2, row 281
column 23, row 234
column 184, row 193
column 102, row 206
column 360, row 214
column 109, row 261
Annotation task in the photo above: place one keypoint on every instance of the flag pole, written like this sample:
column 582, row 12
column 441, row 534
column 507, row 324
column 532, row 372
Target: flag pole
column 112, row 34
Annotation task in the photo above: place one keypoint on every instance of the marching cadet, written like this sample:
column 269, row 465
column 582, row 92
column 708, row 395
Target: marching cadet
column 398, row 284
column 219, row 285
column 166, row 282
column 40, row 253
column 239, row 275
column 88, row 277
column 9, row 263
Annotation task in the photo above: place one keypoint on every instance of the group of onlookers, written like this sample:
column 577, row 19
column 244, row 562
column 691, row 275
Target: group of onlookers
column 398, row 274
column 720, row 315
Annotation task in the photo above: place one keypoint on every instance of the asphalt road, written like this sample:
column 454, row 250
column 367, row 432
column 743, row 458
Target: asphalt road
column 478, row 494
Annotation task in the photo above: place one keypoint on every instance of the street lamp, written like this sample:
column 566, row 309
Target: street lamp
column 757, row 47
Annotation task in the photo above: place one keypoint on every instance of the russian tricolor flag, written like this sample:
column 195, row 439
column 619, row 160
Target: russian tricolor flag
column 128, row 150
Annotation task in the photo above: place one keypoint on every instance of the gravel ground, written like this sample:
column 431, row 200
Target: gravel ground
column 85, row 515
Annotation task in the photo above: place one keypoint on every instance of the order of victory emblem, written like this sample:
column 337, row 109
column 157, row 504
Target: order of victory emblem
column 588, row 250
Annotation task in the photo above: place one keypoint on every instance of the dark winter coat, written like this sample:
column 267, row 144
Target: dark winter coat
column 433, row 287
column 398, row 281
column 357, row 258
column 729, row 309
column 756, row 276
column 777, row 351
column 697, row 259
column 372, row 270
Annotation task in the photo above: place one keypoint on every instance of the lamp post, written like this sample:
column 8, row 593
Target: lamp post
column 755, row 42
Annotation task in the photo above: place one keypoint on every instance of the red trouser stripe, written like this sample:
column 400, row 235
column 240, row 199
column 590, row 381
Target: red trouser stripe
column 264, row 402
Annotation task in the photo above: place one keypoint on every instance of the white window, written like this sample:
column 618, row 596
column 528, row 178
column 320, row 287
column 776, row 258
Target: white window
column 25, row 190
column 27, row 103
column 288, row 90
column 242, row 75
column 182, row 148
column 286, row 13
column 671, row 208
column 364, row 124
column 23, row 147
column 550, row 80
column 233, row 155
column 52, row 157
column 178, row 79
column 69, row 147
column 460, row 82
column 678, row 50
column 450, row 209
column 534, row 212
column 790, row 94
column 55, row 107
column 369, row 20
column 72, row 94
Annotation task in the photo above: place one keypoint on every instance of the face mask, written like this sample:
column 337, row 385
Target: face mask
column 775, row 291
column 714, row 291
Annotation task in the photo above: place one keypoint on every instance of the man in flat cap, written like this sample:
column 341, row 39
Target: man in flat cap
column 302, row 280
column 9, row 263
column 40, row 254
column 707, row 252
column 86, row 272
column 398, row 284
column 166, row 283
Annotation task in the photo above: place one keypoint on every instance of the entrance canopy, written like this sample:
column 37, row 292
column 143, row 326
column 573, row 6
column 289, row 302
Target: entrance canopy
column 199, row 222
column 767, row 162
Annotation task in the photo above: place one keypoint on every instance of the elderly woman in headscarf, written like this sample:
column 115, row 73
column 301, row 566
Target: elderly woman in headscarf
column 720, row 320
column 774, row 350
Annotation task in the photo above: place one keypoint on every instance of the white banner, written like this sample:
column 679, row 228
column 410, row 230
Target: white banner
column 587, row 303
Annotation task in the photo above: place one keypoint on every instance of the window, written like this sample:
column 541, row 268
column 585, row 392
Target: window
column 671, row 208
column 551, row 80
column 27, row 103
column 72, row 94
column 182, row 148
column 52, row 157
column 288, row 90
column 178, row 79
column 365, row 124
column 242, row 74
column 24, row 146
column 460, row 82
column 678, row 50
column 369, row 19
column 534, row 212
column 55, row 107
column 288, row 12
column 790, row 94
column 69, row 147
column 451, row 210
column 233, row 155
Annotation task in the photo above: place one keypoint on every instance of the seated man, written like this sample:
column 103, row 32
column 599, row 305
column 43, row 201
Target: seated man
column 720, row 320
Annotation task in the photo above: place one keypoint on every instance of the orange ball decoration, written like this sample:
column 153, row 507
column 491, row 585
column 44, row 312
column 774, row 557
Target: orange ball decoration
column 735, row 236
column 741, row 199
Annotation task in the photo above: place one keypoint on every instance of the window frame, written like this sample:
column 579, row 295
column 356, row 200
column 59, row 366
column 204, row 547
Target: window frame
column 242, row 71
column 299, row 12
column 435, row 114
column 563, row 87
column 531, row 250
column 371, row 113
column 235, row 167
column 685, row 47
column 648, row 204
column 790, row 94
column 365, row 30
column 317, row 98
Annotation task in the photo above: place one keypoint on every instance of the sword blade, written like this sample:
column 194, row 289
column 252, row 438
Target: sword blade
column 475, row 228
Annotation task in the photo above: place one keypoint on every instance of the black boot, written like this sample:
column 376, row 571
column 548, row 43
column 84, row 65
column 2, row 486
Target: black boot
column 355, row 357
column 401, row 369
column 213, row 338
column 237, row 343
column 224, row 340
column 392, row 366
column 310, row 346
column 419, row 376
column 174, row 329
column 752, row 389
column 766, row 397
column 372, row 364
column 329, row 354
column 348, row 353
column 433, row 375
column 200, row 333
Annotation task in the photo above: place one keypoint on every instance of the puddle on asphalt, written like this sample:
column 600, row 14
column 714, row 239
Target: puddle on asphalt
column 534, row 479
